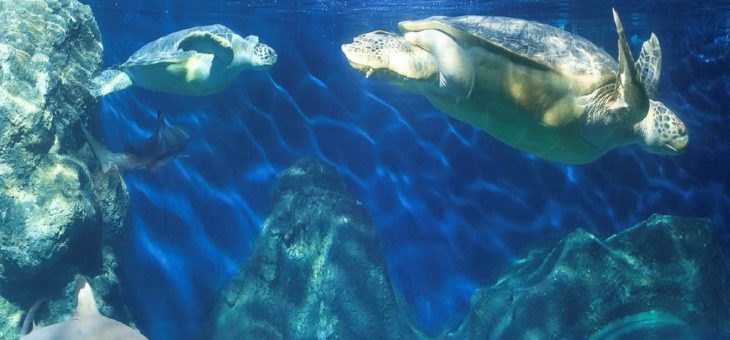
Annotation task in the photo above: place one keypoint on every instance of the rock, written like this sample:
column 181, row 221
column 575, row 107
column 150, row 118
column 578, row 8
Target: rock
column 317, row 270
column 48, row 51
column 667, row 273
column 56, row 208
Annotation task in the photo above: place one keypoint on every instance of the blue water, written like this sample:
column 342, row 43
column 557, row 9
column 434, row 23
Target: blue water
column 452, row 205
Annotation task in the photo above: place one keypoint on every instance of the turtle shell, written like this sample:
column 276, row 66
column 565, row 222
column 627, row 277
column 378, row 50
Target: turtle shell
column 535, row 43
column 167, row 48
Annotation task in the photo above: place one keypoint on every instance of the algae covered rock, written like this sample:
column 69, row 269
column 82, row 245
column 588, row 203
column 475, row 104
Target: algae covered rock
column 56, row 208
column 316, row 271
column 666, row 274
column 48, row 51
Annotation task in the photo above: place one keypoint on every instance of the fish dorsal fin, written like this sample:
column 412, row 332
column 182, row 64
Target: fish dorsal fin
column 630, row 93
column 85, row 303
column 161, row 125
column 206, row 42
column 29, row 322
column 649, row 65
column 160, row 121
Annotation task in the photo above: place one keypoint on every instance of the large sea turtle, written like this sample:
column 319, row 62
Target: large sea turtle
column 196, row 61
column 530, row 85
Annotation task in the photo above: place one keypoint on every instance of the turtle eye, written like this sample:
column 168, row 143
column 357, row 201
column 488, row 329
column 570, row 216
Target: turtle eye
column 681, row 130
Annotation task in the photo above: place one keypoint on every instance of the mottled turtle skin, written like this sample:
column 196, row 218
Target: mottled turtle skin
column 530, row 85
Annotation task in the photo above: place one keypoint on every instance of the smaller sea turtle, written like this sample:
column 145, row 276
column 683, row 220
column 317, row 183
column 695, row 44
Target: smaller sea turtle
column 530, row 85
column 196, row 61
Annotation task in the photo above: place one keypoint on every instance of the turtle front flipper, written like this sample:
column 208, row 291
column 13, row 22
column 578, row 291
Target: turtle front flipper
column 208, row 43
column 109, row 81
column 630, row 95
column 649, row 65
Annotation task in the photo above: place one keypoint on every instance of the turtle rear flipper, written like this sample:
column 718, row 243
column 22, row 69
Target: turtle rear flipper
column 649, row 65
column 109, row 81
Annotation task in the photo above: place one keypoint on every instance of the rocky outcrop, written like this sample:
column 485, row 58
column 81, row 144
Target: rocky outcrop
column 665, row 275
column 317, row 270
column 55, row 208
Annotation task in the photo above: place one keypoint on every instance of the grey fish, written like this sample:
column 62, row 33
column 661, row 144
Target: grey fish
column 163, row 146
column 86, row 324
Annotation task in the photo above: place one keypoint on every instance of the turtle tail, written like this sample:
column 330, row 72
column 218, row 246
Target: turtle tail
column 109, row 81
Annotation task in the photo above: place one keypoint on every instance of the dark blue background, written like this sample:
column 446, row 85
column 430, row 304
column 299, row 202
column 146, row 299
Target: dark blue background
column 452, row 205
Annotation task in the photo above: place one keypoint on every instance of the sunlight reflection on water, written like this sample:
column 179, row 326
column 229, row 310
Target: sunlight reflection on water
column 452, row 205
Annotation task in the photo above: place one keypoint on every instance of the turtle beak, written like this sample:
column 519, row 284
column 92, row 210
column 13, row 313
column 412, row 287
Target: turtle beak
column 679, row 144
column 357, row 60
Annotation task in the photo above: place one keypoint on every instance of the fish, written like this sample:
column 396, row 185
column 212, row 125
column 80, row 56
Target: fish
column 86, row 324
column 157, row 150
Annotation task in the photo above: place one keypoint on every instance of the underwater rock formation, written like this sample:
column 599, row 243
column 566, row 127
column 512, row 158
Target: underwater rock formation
column 666, row 274
column 55, row 207
column 317, row 270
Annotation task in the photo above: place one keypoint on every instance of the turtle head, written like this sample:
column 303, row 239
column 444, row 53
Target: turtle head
column 254, row 54
column 390, row 56
column 662, row 131
column 263, row 56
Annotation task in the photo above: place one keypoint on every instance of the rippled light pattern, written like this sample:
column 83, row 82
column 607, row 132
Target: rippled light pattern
column 452, row 205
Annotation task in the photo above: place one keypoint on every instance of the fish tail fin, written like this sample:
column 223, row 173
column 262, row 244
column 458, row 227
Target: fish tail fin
column 109, row 81
column 85, row 302
column 28, row 323
column 107, row 159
